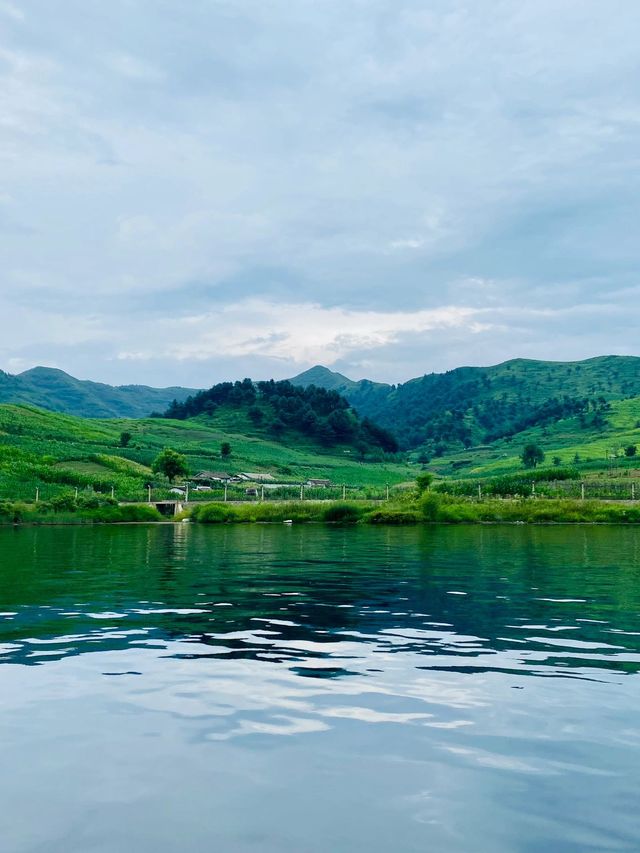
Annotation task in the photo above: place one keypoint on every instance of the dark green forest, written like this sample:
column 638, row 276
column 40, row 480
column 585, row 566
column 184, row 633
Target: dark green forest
column 323, row 415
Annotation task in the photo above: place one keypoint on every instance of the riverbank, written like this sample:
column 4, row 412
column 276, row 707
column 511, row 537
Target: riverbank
column 428, row 508
column 15, row 512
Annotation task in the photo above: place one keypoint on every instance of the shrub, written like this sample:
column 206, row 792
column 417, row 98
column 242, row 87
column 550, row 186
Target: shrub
column 430, row 506
column 393, row 516
column 214, row 514
column 423, row 481
column 343, row 513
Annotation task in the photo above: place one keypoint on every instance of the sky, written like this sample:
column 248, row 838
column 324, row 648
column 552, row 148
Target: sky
column 193, row 192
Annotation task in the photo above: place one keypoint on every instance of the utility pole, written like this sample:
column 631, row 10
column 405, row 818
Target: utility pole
column 37, row 494
column 301, row 491
column 344, row 493
column 148, row 494
column 225, row 491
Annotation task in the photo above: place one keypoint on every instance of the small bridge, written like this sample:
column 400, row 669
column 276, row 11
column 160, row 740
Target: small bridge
column 168, row 508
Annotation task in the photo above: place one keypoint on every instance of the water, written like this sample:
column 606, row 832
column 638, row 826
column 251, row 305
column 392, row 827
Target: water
column 307, row 689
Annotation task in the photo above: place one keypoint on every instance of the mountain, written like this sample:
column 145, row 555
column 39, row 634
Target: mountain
column 472, row 406
column 56, row 391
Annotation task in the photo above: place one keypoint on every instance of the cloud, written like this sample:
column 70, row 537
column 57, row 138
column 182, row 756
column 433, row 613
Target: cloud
column 338, row 166
column 295, row 333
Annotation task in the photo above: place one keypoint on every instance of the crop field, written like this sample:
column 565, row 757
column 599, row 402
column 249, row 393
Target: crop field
column 57, row 453
column 597, row 453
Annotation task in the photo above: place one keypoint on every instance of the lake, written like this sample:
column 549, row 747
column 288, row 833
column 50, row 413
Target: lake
column 319, row 689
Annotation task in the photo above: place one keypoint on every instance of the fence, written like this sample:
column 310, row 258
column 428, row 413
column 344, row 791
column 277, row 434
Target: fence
column 609, row 490
column 40, row 491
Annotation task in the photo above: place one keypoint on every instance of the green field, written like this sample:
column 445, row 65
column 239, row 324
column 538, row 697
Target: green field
column 57, row 453
column 595, row 452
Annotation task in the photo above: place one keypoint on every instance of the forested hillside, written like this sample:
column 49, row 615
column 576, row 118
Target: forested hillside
column 275, row 407
column 472, row 406
column 56, row 391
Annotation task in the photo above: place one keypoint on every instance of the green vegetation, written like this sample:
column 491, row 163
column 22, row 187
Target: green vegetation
column 58, row 392
column 66, row 510
column 57, row 454
column 455, row 510
column 170, row 463
column 296, row 511
column 532, row 456
column 322, row 415
column 472, row 407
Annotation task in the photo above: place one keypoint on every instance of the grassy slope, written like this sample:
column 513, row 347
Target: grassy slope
column 58, row 451
column 564, row 439
column 524, row 382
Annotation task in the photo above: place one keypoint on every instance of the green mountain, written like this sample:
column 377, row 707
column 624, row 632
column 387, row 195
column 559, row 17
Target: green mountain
column 56, row 391
column 472, row 406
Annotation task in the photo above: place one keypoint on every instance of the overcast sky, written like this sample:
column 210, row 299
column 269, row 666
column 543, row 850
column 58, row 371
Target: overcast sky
column 206, row 190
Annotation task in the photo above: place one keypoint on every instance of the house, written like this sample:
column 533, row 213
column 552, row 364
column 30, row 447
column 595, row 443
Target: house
column 252, row 477
column 318, row 484
column 209, row 477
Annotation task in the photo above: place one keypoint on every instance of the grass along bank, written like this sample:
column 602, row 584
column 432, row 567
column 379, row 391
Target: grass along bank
column 430, row 507
column 69, row 511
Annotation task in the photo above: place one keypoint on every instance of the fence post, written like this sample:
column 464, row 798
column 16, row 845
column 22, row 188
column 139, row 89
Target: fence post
column 633, row 491
column 387, row 491
column 533, row 488
column 344, row 493
column 261, row 493
column 37, row 494
column 582, row 490
column 479, row 492
column 225, row 491
column 149, row 494
column 301, row 491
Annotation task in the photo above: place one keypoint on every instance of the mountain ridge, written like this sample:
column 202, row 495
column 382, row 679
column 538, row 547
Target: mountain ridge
column 55, row 390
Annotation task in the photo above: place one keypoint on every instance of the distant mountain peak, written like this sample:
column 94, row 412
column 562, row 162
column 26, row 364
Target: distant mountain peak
column 322, row 376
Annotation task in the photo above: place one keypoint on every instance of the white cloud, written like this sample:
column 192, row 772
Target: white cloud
column 297, row 333
column 11, row 11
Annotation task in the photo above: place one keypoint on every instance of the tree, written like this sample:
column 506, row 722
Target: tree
column 557, row 461
column 171, row 463
column 125, row 438
column 225, row 450
column 277, row 427
column 256, row 415
column 532, row 455
column 423, row 481
column 631, row 450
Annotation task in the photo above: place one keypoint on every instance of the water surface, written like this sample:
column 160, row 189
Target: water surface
column 266, row 688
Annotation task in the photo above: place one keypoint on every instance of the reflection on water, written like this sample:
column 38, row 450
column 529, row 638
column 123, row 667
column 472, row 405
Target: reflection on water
column 312, row 688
